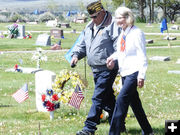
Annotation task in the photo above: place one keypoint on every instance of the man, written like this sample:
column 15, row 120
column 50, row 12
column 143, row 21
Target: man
column 98, row 43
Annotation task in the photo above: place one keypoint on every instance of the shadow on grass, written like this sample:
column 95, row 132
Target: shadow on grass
column 6, row 105
column 134, row 131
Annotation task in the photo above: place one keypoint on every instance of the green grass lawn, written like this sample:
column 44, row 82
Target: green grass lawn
column 70, row 38
column 160, row 97
column 154, row 28
column 66, row 43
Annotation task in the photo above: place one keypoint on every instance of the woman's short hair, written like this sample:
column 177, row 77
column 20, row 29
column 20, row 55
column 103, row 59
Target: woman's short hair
column 127, row 13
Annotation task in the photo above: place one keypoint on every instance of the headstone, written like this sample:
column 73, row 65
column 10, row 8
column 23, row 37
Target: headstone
column 52, row 23
column 178, row 61
column 43, row 40
column 80, row 19
column 175, row 27
column 160, row 58
column 65, row 25
column 174, row 72
column 169, row 38
column 21, row 33
column 56, row 33
column 74, row 31
column 43, row 81
column 25, row 70
column 149, row 41
column 32, row 23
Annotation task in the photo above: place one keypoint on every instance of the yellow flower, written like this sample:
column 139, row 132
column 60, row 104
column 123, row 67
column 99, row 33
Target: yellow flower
column 66, row 89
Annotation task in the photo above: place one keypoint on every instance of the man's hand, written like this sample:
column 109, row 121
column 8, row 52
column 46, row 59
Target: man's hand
column 110, row 63
column 74, row 61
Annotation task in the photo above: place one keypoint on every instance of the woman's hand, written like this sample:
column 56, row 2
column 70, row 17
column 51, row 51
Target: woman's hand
column 140, row 82
column 110, row 63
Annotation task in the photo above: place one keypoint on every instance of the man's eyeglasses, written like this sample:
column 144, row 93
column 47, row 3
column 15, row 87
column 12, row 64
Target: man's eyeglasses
column 94, row 16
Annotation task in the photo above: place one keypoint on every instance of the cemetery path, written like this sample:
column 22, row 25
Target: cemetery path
column 53, row 51
column 163, row 46
column 172, row 34
column 65, row 50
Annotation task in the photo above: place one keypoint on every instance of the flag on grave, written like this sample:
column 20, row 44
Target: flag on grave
column 21, row 94
column 76, row 98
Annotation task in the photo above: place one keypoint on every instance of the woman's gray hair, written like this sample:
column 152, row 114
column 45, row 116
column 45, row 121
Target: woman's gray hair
column 127, row 13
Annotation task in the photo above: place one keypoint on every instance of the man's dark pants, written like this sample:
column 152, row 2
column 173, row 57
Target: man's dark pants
column 103, row 98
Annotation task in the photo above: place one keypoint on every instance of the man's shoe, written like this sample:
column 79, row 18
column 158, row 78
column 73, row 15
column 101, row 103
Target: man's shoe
column 149, row 133
column 84, row 132
column 124, row 132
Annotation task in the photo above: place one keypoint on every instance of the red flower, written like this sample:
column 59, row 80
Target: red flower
column 50, row 106
column 43, row 97
column 16, row 67
column 54, row 97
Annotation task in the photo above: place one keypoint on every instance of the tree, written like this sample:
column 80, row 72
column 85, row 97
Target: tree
column 150, row 4
column 142, row 6
column 152, row 11
column 106, row 4
column 137, row 4
column 170, row 8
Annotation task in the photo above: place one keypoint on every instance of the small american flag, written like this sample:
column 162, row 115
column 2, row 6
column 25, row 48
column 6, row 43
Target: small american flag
column 76, row 98
column 21, row 94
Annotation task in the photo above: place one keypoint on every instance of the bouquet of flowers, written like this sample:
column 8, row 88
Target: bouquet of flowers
column 16, row 68
column 14, row 31
column 28, row 36
column 50, row 100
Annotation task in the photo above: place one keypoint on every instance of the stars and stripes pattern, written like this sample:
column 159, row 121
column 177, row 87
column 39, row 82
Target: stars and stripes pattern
column 21, row 94
column 76, row 98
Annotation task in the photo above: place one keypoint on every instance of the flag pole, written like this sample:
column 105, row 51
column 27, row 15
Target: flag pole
column 39, row 129
column 169, row 45
column 85, row 67
column 85, row 80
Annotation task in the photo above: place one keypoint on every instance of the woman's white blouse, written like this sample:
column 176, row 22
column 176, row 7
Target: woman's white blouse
column 134, row 57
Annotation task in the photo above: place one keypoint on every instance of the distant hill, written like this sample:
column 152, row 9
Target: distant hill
column 16, row 4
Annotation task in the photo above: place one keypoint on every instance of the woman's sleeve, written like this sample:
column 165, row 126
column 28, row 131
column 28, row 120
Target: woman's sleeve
column 140, row 43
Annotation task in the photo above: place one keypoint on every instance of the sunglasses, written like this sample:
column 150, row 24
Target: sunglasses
column 95, row 16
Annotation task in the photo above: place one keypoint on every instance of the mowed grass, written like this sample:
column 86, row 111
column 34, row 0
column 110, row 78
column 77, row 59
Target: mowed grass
column 70, row 38
column 160, row 97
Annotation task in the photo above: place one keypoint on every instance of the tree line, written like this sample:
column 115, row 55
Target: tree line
column 170, row 8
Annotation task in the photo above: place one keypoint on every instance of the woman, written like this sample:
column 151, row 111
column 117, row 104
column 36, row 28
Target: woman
column 132, row 61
